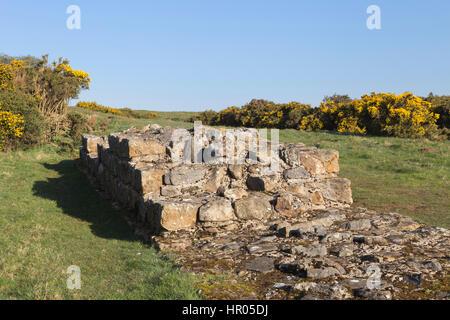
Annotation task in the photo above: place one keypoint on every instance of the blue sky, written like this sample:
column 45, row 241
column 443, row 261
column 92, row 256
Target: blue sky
column 198, row 54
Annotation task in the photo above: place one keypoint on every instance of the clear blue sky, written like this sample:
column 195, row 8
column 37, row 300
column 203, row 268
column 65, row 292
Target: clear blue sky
column 198, row 54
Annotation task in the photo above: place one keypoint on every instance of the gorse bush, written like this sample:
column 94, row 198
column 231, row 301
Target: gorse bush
column 258, row 114
column 53, row 85
column 127, row 112
column 35, row 126
column 11, row 127
column 384, row 114
column 6, row 76
column 97, row 107
column 38, row 92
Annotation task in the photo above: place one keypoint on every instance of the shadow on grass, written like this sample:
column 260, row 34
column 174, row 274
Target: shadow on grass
column 77, row 198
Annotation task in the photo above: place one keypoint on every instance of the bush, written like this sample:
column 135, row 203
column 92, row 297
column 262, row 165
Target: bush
column 97, row 107
column 6, row 76
column 441, row 106
column 78, row 124
column 384, row 114
column 26, row 107
column 38, row 92
column 138, row 114
column 53, row 85
column 11, row 127
column 258, row 113
column 403, row 115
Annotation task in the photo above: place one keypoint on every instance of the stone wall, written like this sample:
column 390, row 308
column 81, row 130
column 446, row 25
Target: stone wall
column 153, row 173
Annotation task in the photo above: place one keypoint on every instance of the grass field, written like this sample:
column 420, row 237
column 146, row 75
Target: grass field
column 51, row 217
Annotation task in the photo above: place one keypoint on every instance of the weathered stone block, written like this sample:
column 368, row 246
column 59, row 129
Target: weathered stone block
column 148, row 180
column 90, row 142
column 185, row 174
column 170, row 191
column 217, row 179
column 296, row 173
column 312, row 164
column 236, row 171
column 256, row 183
column 173, row 215
column 317, row 198
column 253, row 207
column 284, row 205
column 337, row 189
column 216, row 211
column 235, row 193
column 130, row 146
column 330, row 160
column 291, row 153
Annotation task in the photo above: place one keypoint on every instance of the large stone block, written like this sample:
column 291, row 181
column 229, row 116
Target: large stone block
column 148, row 180
column 173, row 215
column 92, row 163
column 336, row 189
column 236, row 171
column 315, row 161
column 185, row 174
column 217, row 178
column 101, row 149
column 253, row 207
column 330, row 160
column 130, row 146
column 284, row 205
column 90, row 142
column 268, row 183
column 290, row 153
column 312, row 164
column 296, row 173
column 217, row 210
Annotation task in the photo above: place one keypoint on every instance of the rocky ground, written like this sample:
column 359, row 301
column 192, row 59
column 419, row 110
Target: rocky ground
column 327, row 254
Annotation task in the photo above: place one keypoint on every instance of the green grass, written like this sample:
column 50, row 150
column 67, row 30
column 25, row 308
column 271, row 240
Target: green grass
column 51, row 218
column 118, row 123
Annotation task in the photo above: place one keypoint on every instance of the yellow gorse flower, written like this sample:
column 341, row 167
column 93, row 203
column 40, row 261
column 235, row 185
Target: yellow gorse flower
column 97, row 107
column 11, row 126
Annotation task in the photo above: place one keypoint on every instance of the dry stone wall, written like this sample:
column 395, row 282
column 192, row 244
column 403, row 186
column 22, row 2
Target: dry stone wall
column 153, row 172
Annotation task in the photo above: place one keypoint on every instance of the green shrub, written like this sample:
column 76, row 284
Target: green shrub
column 208, row 117
column 441, row 105
column 78, row 124
column 258, row 113
column 138, row 114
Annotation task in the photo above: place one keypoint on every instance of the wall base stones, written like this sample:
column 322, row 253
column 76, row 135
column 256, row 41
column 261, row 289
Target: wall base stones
column 334, row 254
